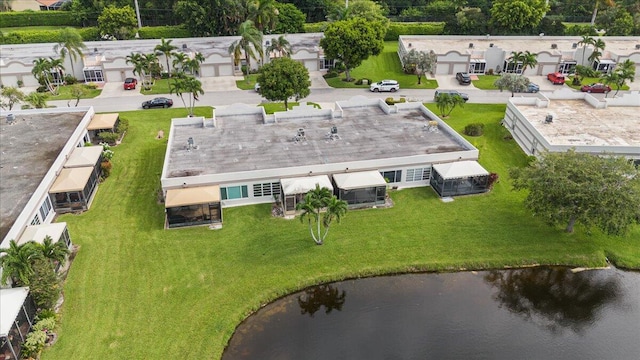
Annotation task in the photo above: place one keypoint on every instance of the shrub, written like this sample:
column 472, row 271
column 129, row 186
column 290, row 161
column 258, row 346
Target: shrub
column 70, row 79
column 392, row 101
column 331, row 74
column 108, row 136
column 123, row 126
column 34, row 344
column 159, row 32
column 315, row 27
column 46, row 314
column 106, row 168
column 41, row 18
column 493, row 178
column 46, row 324
column 475, row 129
column 427, row 28
column 90, row 33
column 489, row 72
column 91, row 86
column 44, row 284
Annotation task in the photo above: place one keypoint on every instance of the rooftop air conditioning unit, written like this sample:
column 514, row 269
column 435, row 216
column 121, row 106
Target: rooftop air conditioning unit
column 637, row 46
column 574, row 45
column 470, row 45
column 554, row 46
column 491, row 45
column 184, row 46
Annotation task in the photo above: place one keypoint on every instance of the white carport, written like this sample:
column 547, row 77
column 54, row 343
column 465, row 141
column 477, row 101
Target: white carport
column 361, row 188
column 459, row 178
column 294, row 189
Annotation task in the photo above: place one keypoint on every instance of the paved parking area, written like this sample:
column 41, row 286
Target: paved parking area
column 116, row 89
column 449, row 82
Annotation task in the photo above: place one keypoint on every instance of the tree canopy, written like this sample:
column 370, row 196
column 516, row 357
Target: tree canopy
column 352, row 41
column 571, row 187
column 120, row 23
column 512, row 82
column 284, row 78
column 515, row 16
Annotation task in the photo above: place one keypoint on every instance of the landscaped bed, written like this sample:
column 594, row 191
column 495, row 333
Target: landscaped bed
column 137, row 291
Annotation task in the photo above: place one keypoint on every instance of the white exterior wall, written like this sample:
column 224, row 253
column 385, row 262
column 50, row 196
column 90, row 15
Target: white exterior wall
column 452, row 62
column 547, row 63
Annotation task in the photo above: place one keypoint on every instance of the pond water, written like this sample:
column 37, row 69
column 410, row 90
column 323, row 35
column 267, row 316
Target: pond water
column 532, row 313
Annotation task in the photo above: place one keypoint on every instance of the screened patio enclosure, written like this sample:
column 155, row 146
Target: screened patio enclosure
column 193, row 206
column 37, row 233
column 102, row 122
column 294, row 190
column 73, row 189
column 17, row 313
column 361, row 189
column 459, row 178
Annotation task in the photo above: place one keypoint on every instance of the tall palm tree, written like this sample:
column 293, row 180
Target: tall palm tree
column 192, row 64
column 43, row 70
column 585, row 42
column 529, row 60
column 165, row 48
column 185, row 84
column 179, row 59
column 280, row 46
column 316, row 201
column 515, row 58
column 264, row 14
column 597, row 4
column 17, row 262
column 598, row 47
column 136, row 60
column 55, row 252
column 250, row 42
column 70, row 44
column 150, row 64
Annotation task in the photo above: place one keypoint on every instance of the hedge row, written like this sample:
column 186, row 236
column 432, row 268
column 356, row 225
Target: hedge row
column 395, row 29
column 88, row 34
column 41, row 18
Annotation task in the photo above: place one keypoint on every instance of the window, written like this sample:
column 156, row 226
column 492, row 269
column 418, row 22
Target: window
column 392, row 176
column 267, row 189
column 36, row 220
column 45, row 208
column 418, row 174
column 234, row 192
column 326, row 64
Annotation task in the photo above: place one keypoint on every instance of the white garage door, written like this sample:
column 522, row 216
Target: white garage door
column 225, row 70
column 460, row 68
column 311, row 65
column 113, row 76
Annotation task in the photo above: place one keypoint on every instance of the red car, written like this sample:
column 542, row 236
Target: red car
column 130, row 83
column 596, row 88
column 556, row 78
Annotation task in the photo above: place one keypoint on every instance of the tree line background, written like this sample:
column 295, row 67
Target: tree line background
column 472, row 17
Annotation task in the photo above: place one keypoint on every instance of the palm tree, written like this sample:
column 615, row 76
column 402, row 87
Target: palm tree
column 192, row 65
column 585, row 41
column 54, row 252
column 515, row 58
column 264, row 14
column 36, row 99
column 179, row 59
column 250, row 42
column 42, row 71
column 135, row 59
column 17, row 262
column 598, row 45
column 623, row 72
column 529, row 60
column 70, row 44
column 280, row 46
column 184, row 84
column 166, row 49
column 447, row 102
column 597, row 4
column 312, row 205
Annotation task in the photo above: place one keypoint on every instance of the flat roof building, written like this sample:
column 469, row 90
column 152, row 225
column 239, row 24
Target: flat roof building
column 566, row 119
column 251, row 155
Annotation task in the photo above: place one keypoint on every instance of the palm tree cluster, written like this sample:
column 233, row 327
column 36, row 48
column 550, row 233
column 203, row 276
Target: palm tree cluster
column 145, row 66
column 49, row 72
column 70, row 44
column 250, row 43
column 526, row 58
column 17, row 261
column 320, row 207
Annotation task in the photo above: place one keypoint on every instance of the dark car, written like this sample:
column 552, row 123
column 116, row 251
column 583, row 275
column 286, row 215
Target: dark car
column 464, row 96
column 556, row 78
column 157, row 102
column 130, row 83
column 596, row 88
column 463, row 78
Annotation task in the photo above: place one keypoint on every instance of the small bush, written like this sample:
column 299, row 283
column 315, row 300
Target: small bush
column 106, row 168
column 91, row 86
column 315, row 27
column 123, row 126
column 426, row 28
column 34, row 344
column 331, row 74
column 490, row 72
column 70, row 79
column 476, row 129
column 90, row 33
column 41, row 18
column 392, row 101
column 108, row 137
column 159, row 32
column 493, row 178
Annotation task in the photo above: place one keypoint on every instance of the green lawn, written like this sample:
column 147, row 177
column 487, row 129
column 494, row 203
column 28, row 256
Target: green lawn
column 380, row 67
column 7, row 30
column 247, row 83
column 64, row 93
column 591, row 80
column 485, row 82
column 137, row 291
column 160, row 87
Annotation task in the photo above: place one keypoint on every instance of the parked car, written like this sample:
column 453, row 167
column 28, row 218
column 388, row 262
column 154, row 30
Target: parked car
column 533, row 88
column 556, row 78
column 596, row 88
column 157, row 102
column 385, row 85
column 130, row 83
column 256, row 87
column 464, row 96
column 463, row 78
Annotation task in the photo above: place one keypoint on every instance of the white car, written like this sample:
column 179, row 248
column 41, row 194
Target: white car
column 256, row 87
column 385, row 85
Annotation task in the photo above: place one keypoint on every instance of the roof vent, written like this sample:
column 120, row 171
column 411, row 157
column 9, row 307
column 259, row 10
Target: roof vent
column 95, row 50
column 191, row 144
column 184, row 46
column 491, row 45
column 10, row 118
column 548, row 119
column 554, row 46
column 470, row 45
column 574, row 45
column 637, row 46
column 409, row 44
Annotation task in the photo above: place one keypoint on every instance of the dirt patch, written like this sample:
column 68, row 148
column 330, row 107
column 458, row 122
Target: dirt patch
column 160, row 135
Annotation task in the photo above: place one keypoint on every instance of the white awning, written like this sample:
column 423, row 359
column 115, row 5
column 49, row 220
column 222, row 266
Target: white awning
column 359, row 180
column 84, row 156
column 302, row 185
column 11, row 301
column 192, row 196
column 37, row 233
column 73, row 179
column 460, row 169
column 103, row 121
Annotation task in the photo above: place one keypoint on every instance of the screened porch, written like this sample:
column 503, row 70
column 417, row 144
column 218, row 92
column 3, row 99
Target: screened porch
column 361, row 189
column 459, row 178
column 103, row 122
column 193, row 206
column 17, row 313
column 294, row 190
column 73, row 189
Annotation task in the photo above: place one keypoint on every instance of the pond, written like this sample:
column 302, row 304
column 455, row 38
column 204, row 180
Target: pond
column 535, row 313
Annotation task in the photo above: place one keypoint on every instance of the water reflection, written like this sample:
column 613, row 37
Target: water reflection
column 555, row 297
column 312, row 299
